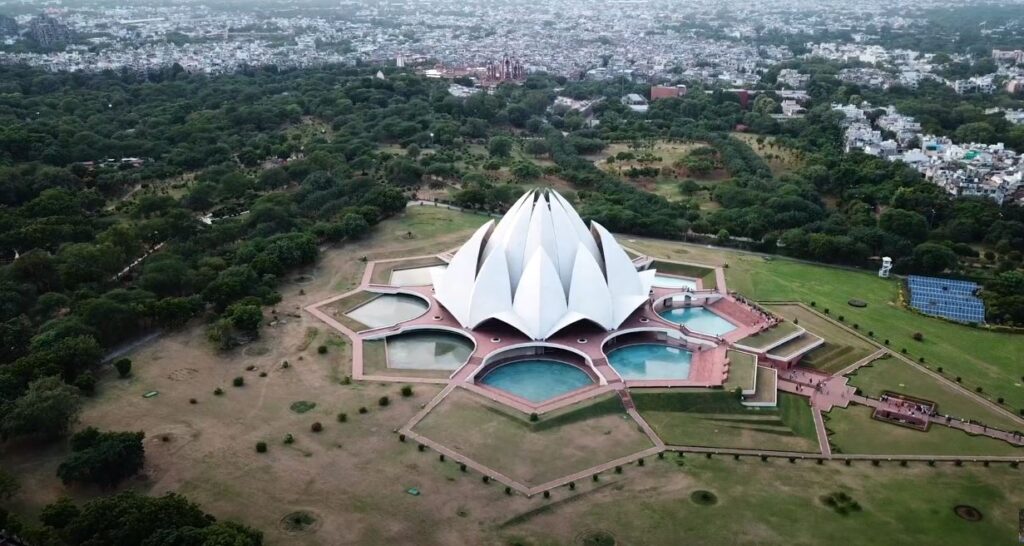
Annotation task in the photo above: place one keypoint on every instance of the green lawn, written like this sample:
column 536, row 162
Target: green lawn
column 983, row 358
column 742, row 367
column 855, row 432
column 776, row 502
column 772, row 335
column 570, row 441
column 716, row 419
column 425, row 222
column 893, row 374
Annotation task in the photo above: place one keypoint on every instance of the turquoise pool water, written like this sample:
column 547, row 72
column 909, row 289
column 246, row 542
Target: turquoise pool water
column 388, row 310
column 664, row 281
column 699, row 319
column 651, row 361
column 428, row 351
column 537, row 380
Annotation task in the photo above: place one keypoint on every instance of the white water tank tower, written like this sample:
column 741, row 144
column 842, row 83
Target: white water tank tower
column 886, row 267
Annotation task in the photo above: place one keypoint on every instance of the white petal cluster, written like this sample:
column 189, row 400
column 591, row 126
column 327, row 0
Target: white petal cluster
column 539, row 270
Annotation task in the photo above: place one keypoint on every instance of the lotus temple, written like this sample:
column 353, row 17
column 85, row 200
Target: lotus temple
column 538, row 311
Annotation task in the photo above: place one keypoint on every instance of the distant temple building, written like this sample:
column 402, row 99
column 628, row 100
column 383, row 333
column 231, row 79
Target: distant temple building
column 507, row 69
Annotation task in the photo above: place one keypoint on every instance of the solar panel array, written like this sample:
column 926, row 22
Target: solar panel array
column 947, row 298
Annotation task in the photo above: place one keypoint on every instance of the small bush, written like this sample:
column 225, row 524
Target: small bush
column 346, row 380
column 263, row 374
column 920, row 359
column 958, row 379
column 289, row 439
column 218, row 391
column 841, row 318
column 406, row 391
column 999, row 400
column 238, row 381
column 918, row 336
column 939, row 369
column 534, row 417
column 978, row 389
column 363, row 410
column 814, row 303
column 316, row 427
column 384, row 401
column 856, row 326
column 342, row 417
column 322, row 349
column 825, row 310
column 193, row 401
column 871, row 333
column 124, row 367
column 261, row 447
column 285, row 364
column 903, row 350
column 886, row 342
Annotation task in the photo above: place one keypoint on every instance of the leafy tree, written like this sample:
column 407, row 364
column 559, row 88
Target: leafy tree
column 932, row 258
column 246, row 317
column 535, row 147
column 353, row 226
column 132, row 519
column 8, row 485
column 499, row 146
column 47, row 409
column 103, row 458
column 904, row 223
column 525, row 170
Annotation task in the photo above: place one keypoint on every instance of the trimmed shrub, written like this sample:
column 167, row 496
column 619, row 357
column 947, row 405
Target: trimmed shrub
column 238, row 381
column 534, row 417
column 384, row 401
column 363, row 410
column 316, row 427
column 406, row 391
column 124, row 367
column 261, row 447
column 322, row 349
column 342, row 417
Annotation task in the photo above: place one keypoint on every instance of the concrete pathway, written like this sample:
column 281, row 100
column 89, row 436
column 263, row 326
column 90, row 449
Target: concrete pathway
column 819, row 426
column 816, row 456
column 862, row 362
